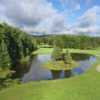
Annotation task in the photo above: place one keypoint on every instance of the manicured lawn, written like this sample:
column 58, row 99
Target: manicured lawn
column 44, row 50
column 49, row 50
column 83, row 87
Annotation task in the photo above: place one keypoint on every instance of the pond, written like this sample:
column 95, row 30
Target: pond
column 38, row 72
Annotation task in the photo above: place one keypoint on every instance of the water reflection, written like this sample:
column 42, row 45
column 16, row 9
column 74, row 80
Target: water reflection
column 38, row 72
column 84, row 65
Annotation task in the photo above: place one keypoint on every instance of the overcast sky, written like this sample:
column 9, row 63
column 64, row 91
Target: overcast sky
column 52, row 16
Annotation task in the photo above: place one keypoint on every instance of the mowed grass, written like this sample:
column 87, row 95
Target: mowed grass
column 43, row 51
column 83, row 87
column 49, row 50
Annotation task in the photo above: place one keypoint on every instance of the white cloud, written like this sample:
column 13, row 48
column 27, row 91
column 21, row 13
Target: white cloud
column 41, row 16
column 32, row 15
column 88, row 22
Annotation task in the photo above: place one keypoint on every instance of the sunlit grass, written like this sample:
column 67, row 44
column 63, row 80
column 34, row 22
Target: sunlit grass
column 60, row 65
column 49, row 50
column 81, row 87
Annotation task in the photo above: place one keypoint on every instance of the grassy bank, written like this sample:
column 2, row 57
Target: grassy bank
column 49, row 50
column 5, row 74
column 82, row 87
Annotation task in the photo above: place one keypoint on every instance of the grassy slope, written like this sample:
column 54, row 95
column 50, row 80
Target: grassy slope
column 83, row 87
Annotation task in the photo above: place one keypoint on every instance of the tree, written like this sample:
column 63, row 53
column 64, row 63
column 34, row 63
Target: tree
column 4, row 56
column 15, row 43
column 13, row 48
column 58, row 42
column 57, row 53
column 67, row 57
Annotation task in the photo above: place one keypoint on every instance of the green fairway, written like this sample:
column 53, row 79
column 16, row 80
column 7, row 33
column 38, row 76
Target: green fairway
column 49, row 50
column 44, row 50
column 83, row 87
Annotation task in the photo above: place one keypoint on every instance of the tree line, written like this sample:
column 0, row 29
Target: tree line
column 14, row 45
column 70, row 41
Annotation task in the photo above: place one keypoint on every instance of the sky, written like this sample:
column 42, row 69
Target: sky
column 52, row 16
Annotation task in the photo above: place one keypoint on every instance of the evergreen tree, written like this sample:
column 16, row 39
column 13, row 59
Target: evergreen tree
column 4, row 56
column 67, row 57
column 57, row 53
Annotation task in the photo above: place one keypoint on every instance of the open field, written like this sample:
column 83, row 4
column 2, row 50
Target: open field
column 83, row 87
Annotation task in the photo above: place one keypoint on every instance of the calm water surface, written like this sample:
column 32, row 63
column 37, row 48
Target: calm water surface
column 39, row 72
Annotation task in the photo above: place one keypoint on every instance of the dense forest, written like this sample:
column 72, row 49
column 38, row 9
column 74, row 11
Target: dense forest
column 14, row 46
column 70, row 41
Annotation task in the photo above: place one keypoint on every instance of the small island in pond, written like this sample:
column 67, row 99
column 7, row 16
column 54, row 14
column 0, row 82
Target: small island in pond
column 60, row 62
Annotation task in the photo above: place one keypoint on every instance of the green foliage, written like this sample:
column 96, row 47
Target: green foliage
column 70, row 41
column 60, row 65
column 4, row 56
column 59, row 43
column 57, row 53
column 67, row 57
column 14, row 45
column 60, row 60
